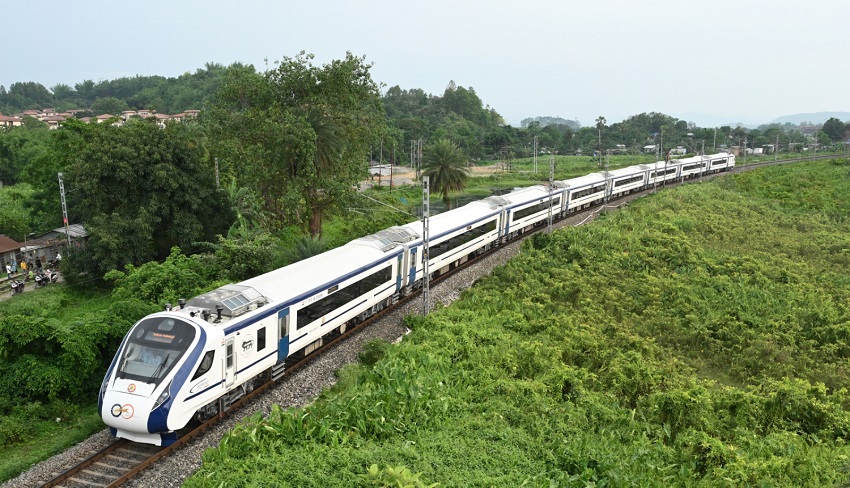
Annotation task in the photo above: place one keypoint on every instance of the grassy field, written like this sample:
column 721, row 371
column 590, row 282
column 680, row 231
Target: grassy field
column 700, row 337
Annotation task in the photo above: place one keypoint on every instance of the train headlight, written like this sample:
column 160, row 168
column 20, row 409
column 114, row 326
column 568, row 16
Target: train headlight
column 166, row 393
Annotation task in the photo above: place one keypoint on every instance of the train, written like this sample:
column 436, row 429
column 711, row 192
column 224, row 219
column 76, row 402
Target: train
column 196, row 358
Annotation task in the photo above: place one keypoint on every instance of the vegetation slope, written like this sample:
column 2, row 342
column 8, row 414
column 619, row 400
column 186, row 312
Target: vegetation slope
column 699, row 337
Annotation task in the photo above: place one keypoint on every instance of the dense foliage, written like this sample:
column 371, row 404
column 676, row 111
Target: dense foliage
column 54, row 349
column 139, row 190
column 699, row 337
column 165, row 95
column 299, row 134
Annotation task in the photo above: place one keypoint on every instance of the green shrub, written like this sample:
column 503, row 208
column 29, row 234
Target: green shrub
column 14, row 430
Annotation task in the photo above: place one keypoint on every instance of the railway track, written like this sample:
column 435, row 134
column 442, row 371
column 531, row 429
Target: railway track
column 122, row 460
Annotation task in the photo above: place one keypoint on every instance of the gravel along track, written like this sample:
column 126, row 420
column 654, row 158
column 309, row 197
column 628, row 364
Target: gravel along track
column 301, row 387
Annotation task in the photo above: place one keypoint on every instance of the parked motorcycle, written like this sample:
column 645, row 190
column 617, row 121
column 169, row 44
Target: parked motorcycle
column 17, row 286
column 41, row 279
column 52, row 275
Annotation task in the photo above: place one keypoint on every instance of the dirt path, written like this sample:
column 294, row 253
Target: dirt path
column 403, row 175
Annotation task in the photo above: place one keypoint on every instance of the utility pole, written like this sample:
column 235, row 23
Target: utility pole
column 381, row 163
column 64, row 209
column 536, row 150
column 416, row 156
column 661, row 147
column 217, row 185
column 776, row 149
column 419, row 158
column 551, row 184
column 426, row 276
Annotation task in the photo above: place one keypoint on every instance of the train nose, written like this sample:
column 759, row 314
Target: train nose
column 126, row 411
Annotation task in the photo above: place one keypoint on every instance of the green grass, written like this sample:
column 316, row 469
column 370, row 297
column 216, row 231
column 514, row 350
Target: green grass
column 49, row 438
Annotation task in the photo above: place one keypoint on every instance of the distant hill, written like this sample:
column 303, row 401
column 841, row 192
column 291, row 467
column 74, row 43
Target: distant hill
column 546, row 120
column 705, row 120
column 813, row 118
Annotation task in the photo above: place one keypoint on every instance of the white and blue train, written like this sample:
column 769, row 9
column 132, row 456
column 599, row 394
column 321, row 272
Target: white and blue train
column 196, row 359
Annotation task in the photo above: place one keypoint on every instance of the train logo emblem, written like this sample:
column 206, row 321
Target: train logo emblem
column 126, row 411
column 131, row 388
column 247, row 344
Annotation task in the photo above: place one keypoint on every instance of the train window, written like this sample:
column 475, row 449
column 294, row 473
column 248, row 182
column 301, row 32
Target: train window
column 328, row 304
column 588, row 191
column 461, row 239
column 261, row 339
column 155, row 346
column 626, row 181
column 205, row 365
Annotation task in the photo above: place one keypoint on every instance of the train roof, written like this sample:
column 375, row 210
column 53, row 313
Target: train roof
column 629, row 170
column 585, row 180
column 451, row 220
column 526, row 195
column 314, row 273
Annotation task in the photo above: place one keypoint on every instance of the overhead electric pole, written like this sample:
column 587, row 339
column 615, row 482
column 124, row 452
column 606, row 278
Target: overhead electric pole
column 551, row 184
column 426, row 271
column 64, row 209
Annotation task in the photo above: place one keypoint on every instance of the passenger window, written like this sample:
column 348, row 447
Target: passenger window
column 261, row 339
column 205, row 366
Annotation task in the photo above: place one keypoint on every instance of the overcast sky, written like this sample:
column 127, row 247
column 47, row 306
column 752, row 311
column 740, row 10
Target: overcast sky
column 738, row 60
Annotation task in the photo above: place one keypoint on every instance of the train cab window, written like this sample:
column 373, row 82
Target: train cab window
column 153, row 347
column 261, row 339
column 205, row 365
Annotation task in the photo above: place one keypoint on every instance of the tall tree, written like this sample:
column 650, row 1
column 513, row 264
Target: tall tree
column 835, row 129
column 140, row 190
column 299, row 133
column 445, row 165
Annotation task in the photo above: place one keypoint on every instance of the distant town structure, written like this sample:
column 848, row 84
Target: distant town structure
column 53, row 119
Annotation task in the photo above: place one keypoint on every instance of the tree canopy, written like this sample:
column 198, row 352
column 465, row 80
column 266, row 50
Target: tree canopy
column 299, row 134
column 140, row 190
column 445, row 164
column 835, row 129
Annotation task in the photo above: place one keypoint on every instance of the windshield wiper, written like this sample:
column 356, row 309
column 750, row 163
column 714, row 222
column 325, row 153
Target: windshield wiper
column 159, row 368
column 126, row 357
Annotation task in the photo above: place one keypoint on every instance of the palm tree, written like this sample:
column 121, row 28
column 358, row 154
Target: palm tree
column 445, row 165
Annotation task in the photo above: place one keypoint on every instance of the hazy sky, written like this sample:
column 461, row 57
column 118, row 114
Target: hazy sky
column 739, row 60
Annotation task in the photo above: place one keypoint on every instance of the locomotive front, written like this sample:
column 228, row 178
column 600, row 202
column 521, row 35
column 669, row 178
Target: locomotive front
column 137, row 393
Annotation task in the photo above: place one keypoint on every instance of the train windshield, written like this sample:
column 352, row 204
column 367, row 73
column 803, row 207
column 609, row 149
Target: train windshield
column 155, row 345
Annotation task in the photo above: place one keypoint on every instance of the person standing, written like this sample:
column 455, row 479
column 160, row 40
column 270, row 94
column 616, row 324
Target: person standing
column 9, row 271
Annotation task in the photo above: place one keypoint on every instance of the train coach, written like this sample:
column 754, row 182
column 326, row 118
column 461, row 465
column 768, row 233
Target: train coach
column 196, row 358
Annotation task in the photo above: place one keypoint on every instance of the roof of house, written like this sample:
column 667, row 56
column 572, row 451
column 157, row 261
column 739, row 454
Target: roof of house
column 74, row 230
column 8, row 244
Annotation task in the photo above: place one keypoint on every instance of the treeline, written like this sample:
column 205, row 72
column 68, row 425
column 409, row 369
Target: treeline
column 160, row 93
column 412, row 114
column 271, row 152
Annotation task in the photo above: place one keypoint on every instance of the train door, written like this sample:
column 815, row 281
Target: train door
column 229, row 363
column 399, row 271
column 413, row 264
column 283, row 326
